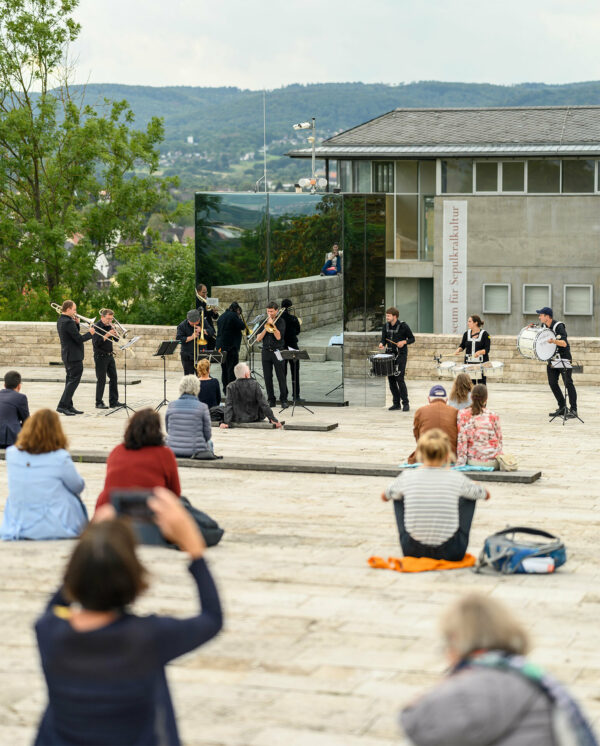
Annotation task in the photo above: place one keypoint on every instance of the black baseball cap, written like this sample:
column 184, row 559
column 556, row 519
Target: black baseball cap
column 546, row 310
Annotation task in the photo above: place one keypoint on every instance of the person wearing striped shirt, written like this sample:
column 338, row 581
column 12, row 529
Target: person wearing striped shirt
column 434, row 506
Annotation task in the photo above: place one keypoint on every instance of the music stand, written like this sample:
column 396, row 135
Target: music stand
column 564, row 416
column 165, row 348
column 292, row 356
column 213, row 356
column 125, row 406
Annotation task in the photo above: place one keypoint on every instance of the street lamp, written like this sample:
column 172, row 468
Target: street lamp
column 313, row 182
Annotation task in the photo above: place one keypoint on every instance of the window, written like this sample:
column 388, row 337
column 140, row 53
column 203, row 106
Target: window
column 406, row 177
column 496, row 298
column 486, row 176
column 383, row 177
column 457, row 176
column 577, row 176
column 427, row 235
column 513, row 176
column 578, row 300
column 407, row 235
column 427, row 177
column 362, row 176
column 345, row 175
column 543, row 177
column 536, row 296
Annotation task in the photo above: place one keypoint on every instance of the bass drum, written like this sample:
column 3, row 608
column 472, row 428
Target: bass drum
column 533, row 343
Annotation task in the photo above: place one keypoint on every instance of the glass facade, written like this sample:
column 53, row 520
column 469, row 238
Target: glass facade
column 513, row 176
column 383, row 177
column 577, row 176
column 457, row 176
column 543, row 177
column 486, row 176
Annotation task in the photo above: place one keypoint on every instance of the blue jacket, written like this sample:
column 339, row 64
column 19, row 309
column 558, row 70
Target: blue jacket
column 14, row 410
column 188, row 426
column 43, row 496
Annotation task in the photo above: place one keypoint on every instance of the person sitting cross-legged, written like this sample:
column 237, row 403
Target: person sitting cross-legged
column 434, row 505
column 188, row 421
column 14, row 409
column 245, row 401
column 436, row 414
column 479, row 432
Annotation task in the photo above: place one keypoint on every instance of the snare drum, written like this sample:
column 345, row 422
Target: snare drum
column 382, row 364
column 446, row 368
column 533, row 343
column 491, row 368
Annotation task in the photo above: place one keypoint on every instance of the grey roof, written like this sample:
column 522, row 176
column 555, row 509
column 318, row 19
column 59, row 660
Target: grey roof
column 532, row 130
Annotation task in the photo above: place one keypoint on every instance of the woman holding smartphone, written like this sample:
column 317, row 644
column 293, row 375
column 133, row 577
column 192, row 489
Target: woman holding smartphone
column 104, row 666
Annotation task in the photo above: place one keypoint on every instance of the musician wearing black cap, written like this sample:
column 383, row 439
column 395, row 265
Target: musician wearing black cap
column 395, row 337
column 559, row 365
column 229, row 340
column 292, row 330
column 187, row 333
column 210, row 316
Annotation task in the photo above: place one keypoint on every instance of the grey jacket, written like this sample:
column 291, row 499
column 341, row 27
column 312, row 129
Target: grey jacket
column 479, row 707
column 188, row 426
column 245, row 402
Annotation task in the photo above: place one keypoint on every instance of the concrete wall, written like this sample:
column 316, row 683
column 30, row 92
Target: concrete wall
column 552, row 240
column 317, row 300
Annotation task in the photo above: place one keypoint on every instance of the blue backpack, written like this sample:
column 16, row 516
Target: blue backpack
column 504, row 551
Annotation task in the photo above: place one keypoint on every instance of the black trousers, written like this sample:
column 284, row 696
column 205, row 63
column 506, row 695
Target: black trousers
column 453, row 549
column 231, row 360
column 567, row 376
column 294, row 366
column 105, row 365
column 269, row 361
column 74, row 371
column 397, row 383
column 188, row 366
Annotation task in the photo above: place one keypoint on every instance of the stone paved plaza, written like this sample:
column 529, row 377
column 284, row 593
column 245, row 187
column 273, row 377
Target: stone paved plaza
column 318, row 649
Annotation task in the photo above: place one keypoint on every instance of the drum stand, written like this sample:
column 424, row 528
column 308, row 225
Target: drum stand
column 564, row 417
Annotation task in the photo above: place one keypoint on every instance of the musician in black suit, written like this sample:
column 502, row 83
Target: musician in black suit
column 210, row 316
column 395, row 337
column 72, row 353
column 104, row 360
column 272, row 338
column 292, row 330
column 188, row 333
column 14, row 409
column 229, row 340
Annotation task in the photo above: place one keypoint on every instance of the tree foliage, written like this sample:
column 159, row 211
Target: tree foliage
column 67, row 169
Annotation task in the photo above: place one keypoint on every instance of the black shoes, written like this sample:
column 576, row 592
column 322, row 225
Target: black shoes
column 405, row 407
column 393, row 407
column 284, row 404
column 62, row 410
column 559, row 412
column 75, row 411
column 572, row 414
column 117, row 404
column 101, row 405
column 272, row 403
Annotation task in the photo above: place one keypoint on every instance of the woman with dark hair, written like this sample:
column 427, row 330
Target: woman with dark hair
column 142, row 459
column 104, row 666
column 476, row 344
column 493, row 695
column 43, row 484
column 479, row 440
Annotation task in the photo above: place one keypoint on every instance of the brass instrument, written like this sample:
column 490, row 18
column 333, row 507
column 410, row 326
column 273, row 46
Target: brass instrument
column 120, row 330
column 82, row 319
column 247, row 331
column 270, row 325
column 216, row 309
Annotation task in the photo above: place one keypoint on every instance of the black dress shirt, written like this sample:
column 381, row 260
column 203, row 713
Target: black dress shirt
column 71, row 341
column 270, row 342
column 397, row 332
column 100, row 344
column 230, row 326
column 185, row 330
column 292, row 329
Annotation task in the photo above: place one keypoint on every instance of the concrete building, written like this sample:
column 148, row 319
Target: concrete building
column 491, row 211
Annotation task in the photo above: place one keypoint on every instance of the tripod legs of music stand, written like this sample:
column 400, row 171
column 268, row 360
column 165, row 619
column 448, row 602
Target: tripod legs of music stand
column 335, row 388
column 124, row 406
column 294, row 387
column 165, row 401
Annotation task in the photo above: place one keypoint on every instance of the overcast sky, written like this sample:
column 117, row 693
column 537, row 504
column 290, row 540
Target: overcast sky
column 270, row 43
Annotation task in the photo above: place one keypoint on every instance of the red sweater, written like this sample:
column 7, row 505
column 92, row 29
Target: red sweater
column 151, row 466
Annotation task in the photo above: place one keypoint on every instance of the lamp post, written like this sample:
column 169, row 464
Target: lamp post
column 313, row 182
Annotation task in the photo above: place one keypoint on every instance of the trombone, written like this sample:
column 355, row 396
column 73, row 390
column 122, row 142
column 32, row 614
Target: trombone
column 268, row 325
column 202, row 299
column 120, row 330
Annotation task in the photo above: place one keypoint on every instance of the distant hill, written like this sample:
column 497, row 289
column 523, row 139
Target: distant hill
column 227, row 123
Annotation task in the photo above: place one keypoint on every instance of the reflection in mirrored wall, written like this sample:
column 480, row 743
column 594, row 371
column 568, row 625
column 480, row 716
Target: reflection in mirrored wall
column 258, row 248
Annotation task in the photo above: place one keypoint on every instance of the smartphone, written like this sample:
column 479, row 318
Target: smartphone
column 132, row 504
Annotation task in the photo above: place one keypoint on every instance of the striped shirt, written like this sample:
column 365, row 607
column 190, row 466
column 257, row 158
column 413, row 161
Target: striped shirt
column 431, row 496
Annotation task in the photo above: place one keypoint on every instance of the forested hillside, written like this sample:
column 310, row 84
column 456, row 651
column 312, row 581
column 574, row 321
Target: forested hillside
column 226, row 124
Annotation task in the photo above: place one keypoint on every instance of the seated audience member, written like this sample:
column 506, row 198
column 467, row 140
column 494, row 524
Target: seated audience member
column 43, row 484
column 460, row 396
column 333, row 263
column 104, row 666
column 479, row 433
column 142, row 459
column 188, row 421
column 492, row 693
column 14, row 409
column 245, row 401
column 436, row 414
column 210, row 390
column 434, row 506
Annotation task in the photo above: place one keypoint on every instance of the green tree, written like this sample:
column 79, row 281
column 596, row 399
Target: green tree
column 66, row 168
